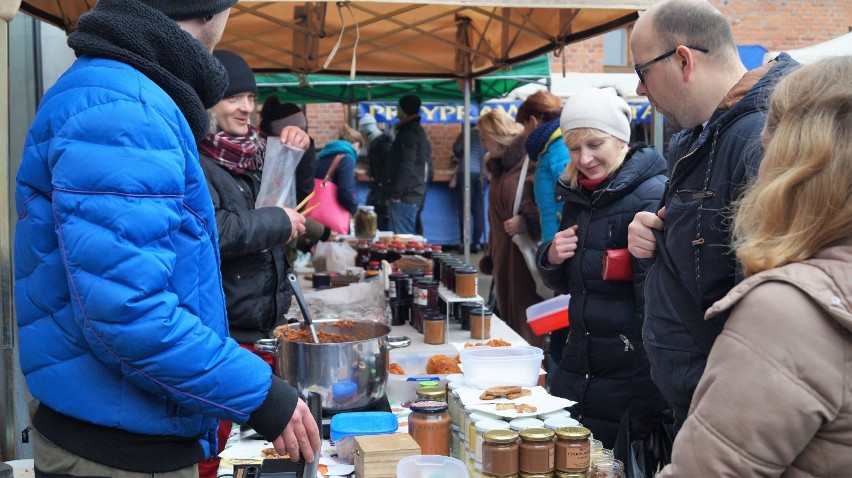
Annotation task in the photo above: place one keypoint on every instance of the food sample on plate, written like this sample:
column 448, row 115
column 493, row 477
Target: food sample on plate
column 270, row 453
column 505, row 391
column 303, row 334
column 396, row 369
column 490, row 343
column 518, row 407
column 442, row 365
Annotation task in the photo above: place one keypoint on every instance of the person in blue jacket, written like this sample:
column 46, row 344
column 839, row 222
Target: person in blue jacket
column 603, row 365
column 348, row 143
column 118, row 297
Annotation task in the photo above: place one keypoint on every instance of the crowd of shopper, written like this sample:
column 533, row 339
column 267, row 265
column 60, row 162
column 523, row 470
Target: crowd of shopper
column 710, row 291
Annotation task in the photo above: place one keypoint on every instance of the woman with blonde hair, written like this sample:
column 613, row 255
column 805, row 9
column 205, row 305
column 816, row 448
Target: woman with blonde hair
column 514, row 285
column 603, row 366
column 776, row 396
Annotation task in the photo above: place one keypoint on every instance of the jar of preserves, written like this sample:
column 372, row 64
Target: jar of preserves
column 572, row 449
column 432, row 393
column 482, row 426
column 607, row 468
column 480, row 323
column 500, row 452
column 429, row 425
column 426, row 293
column 362, row 259
column 434, row 329
column 467, row 282
column 537, row 451
column 366, row 222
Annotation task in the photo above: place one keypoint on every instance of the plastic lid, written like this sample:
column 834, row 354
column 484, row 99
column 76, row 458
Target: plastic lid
column 525, row 422
column 362, row 423
column 490, row 424
column 558, row 422
column 429, row 383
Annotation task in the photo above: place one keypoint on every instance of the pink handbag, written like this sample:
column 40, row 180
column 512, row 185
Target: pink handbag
column 329, row 212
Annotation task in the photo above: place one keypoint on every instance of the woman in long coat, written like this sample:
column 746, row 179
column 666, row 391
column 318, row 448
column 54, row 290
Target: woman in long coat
column 514, row 285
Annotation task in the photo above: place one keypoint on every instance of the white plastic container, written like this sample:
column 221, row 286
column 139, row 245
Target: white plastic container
column 430, row 466
column 558, row 422
column 403, row 388
column 486, row 367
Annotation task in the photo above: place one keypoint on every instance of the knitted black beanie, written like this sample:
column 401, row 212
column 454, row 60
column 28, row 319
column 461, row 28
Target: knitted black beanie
column 240, row 76
column 185, row 9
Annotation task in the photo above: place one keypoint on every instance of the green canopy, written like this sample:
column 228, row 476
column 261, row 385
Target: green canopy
column 319, row 88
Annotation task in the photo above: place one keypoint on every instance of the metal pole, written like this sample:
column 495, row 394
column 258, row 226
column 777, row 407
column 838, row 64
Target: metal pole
column 466, row 162
column 7, row 399
column 658, row 130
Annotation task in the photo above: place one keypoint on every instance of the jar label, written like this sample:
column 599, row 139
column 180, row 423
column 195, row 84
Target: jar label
column 392, row 290
column 421, row 297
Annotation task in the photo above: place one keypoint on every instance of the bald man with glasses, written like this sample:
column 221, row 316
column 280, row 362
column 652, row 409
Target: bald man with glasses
column 690, row 71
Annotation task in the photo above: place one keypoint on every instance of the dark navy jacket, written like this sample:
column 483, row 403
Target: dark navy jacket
column 603, row 365
column 710, row 168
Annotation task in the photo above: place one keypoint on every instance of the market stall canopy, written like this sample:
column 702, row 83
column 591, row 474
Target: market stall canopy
column 320, row 88
column 839, row 46
column 429, row 39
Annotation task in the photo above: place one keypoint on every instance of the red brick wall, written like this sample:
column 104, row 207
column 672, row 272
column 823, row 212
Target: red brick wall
column 773, row 24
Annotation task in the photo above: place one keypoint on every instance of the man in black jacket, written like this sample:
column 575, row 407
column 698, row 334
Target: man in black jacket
column 689, row 69
column 378, row 157
column 411, row 154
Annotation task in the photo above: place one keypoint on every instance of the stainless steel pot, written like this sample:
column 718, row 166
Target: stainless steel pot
column 348, row 375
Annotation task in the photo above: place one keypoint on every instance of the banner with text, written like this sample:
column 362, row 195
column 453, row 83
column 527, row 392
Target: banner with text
column 448, row 113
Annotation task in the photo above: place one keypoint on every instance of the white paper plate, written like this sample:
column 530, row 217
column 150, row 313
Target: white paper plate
column 539, row 398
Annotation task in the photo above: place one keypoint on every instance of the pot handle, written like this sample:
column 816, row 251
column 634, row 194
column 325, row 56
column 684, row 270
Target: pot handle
column 397, row 342
column 267, row 345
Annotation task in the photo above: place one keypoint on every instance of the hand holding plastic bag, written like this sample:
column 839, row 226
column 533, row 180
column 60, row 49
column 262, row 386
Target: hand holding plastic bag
column 278, row 182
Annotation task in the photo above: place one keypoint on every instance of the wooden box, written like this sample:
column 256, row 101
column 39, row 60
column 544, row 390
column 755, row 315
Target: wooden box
column 376, row 456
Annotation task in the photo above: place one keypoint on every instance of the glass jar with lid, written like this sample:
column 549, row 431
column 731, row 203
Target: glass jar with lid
column 433, row 393
column 536, row 451
column 500, row 452
column 480, row 428
column 429, row 425
column 572, row 449
column 366, row 222
column 434, row 328
column 607, row 468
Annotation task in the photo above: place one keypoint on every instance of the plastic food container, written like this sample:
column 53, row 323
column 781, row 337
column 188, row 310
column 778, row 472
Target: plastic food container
column 550, row 315
column 346, row 426
column 430, row 466
column 403, row 388
column 493, row 366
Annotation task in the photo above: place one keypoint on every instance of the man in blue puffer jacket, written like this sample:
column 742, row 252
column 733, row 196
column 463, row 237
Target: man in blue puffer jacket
column 690, row 71
column 120, row 311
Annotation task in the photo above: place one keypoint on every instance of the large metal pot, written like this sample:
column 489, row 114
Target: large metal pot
column 348, row 375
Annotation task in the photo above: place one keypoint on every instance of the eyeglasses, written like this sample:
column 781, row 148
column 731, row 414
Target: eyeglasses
column 641, row 68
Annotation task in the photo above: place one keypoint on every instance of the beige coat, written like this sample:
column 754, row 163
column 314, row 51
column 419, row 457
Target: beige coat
column 776, row 396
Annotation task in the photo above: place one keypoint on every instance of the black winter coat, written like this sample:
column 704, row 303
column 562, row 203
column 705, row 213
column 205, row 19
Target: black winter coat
column 410, row 156
column 603, row 365
column 251, row 241
column 710, row 168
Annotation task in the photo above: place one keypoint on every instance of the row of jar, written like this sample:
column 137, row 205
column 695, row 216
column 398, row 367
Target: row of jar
column 455, row 274
column 378, row 251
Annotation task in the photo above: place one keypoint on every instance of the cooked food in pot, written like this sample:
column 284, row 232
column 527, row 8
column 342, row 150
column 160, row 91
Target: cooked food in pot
column 303, row 335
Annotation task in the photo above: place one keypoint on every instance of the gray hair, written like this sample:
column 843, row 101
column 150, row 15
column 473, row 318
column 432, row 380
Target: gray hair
column 695, row 23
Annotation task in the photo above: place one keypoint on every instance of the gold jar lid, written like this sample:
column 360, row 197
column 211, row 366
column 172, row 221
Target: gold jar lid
column 573, row 433
column 565, row 474
column 535, row 475
column 431, row 392
column 500, row 436
column 536, row 434
column 486, row 475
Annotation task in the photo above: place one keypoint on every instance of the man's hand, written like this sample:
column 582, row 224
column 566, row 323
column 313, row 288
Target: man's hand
column 295, row 136
column 297, row 223
column 563, row 246
column 640, row 238
column 301, row 435
column 514, row 225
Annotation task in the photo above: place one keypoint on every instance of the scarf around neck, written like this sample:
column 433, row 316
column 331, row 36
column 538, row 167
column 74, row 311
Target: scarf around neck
column 235, row 153
column 138, row 35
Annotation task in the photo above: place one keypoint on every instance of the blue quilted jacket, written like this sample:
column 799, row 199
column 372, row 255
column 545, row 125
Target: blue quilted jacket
column 118, row 295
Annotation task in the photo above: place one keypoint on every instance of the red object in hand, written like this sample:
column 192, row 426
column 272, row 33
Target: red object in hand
column 617, row 265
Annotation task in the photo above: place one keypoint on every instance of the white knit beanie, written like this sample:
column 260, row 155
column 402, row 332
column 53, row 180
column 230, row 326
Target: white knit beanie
column 598, row 108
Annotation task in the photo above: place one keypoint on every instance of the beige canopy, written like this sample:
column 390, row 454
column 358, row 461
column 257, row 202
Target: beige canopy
column 436, row 38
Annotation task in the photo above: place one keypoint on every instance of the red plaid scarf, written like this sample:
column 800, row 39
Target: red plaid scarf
column 236, row 153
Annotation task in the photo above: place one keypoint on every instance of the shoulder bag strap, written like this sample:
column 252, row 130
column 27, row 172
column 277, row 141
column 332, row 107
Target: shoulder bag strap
column 520, row 189
column 333, row 166
column 689, row 310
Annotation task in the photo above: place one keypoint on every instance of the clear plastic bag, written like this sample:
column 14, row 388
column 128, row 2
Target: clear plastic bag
column 278, row 182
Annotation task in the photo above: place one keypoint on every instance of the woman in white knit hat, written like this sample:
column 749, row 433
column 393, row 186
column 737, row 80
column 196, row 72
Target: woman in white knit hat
column 603, row 366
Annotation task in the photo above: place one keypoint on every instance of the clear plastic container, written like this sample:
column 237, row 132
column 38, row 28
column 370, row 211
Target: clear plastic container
column 486, row 367
column 430, row 466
